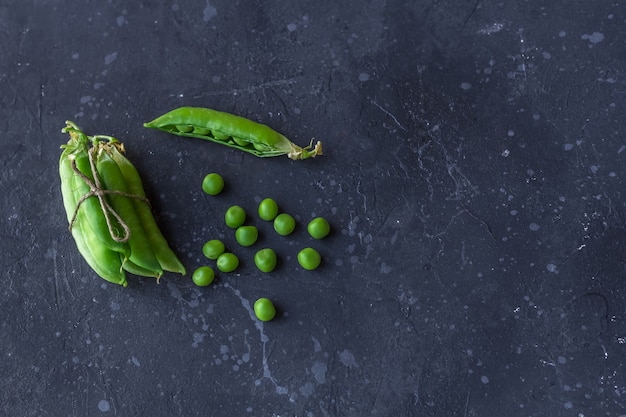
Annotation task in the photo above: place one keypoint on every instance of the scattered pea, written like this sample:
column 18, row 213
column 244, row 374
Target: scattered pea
column 265, row 260
column 235, row 216
column 213, row 249
column 309, row 259
column 227, row 262
column 203, row 276
column 264, row 309
column 284, row 224
column 213, row 184
column 318, row 228
column 268, row 209
column 246, row 235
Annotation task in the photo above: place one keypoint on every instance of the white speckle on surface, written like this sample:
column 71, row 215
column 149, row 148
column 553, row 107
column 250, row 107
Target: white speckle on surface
column 198, row 338
column 120, row 20
column 267, row 373
column 551, row 268
column 364, row 77
column 594, row 169
column 75, row 55
column 484, row 379
column 489, row 29
column 319, row 372
column 292, row 27
column 307, row 389
column 595, row 37
column 510, row 133
column 135, row 361
column 568, row 405
column 104, row 406
column 562, row 34
column 534, row 227
column 316, row 345
column 384, row 268
column 108, row 60
column 568, row 146
column 546, row 55
column 85, row 99
column 466, row 86
column 347, row 359
column 209, row 12
column 115, row 306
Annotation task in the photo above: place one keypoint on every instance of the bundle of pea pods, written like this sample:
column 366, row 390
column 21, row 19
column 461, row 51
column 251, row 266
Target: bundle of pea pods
column 109, row 215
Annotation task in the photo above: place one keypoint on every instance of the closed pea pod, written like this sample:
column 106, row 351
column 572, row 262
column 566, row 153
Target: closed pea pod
column 141, row 251
column 103, row 261
column 247, row 135
column 165, row 256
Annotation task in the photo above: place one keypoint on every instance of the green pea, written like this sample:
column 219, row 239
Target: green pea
column 203, row 276
column 246, row 235
column 227, row 262
column 265, row 260
column 213, row 249
column 264, row 309
column 284, row 224
column 202, row 131
column 318, row 228
column 219, row 135
column 235, row 216
column 261, row 147
column 213, row 184
column 241, row 142
column 309, row 259
column 184, row 128
column 268, row 209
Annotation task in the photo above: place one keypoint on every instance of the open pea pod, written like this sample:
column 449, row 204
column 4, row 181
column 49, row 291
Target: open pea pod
column 233, row 131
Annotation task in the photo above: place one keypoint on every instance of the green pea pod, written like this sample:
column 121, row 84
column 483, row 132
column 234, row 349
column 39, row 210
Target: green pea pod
column 246, row 135
column 93, row 211
column 113, row 181
column 131, row 267
column 163, row 253
column 103, row 261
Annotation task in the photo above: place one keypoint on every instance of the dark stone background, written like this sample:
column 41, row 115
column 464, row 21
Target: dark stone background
column 473, row 176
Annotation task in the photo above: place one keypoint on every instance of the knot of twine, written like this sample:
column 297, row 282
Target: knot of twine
column 97, row 190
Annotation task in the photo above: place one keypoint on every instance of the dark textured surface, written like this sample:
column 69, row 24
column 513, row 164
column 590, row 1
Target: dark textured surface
column 473, row 177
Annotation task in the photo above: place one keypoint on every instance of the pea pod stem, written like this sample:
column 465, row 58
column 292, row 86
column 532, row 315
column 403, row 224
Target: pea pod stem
column 233, row 131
